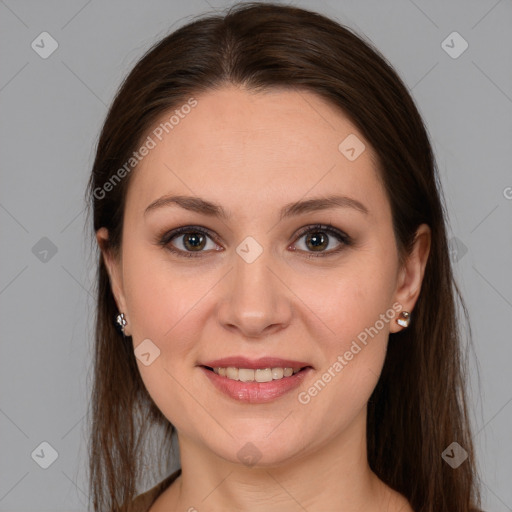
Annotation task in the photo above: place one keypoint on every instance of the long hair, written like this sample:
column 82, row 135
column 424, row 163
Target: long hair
column 419, row 405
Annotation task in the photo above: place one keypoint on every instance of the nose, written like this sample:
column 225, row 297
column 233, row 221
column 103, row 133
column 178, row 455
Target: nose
column 255, row 301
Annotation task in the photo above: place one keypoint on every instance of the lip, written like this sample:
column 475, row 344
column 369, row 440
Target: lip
column 257, row 392
column 253, row 364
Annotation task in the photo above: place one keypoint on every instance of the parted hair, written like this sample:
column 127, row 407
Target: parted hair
column 419, row 405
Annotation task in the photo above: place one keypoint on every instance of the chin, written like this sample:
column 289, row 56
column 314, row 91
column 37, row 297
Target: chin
column 256, row 448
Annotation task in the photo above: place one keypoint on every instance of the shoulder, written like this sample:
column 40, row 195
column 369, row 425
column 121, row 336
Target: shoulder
column 143, row 501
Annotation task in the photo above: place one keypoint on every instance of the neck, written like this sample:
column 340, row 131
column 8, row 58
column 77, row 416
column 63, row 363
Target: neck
column 336, row 471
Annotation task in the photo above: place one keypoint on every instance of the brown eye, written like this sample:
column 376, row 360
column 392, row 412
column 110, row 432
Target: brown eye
column 188, row 241
column 194, row 241
column 318, row 238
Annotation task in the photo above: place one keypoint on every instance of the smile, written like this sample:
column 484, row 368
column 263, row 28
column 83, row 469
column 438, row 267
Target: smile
column 255, row 375
column 255, row 385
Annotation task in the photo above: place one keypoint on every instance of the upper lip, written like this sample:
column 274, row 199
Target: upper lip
column 262, row 362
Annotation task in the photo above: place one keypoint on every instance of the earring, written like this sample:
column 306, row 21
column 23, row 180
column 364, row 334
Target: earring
column 121, row 321
column 404, row 319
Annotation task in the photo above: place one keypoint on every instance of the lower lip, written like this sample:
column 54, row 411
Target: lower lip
column 256, row 392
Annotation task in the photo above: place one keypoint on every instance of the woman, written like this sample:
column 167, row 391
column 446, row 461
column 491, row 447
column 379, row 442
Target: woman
column 274, row 280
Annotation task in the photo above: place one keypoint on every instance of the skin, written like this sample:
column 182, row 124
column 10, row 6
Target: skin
column 253, row 153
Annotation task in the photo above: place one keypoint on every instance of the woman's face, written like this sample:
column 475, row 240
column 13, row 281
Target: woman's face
column 249, row 289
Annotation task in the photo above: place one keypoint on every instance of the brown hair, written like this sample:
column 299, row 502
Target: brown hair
column 419, row 406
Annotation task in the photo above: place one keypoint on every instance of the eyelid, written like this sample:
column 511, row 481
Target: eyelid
column 344, row 239
column 168, row 236
column 165, row 239
column 329, row 228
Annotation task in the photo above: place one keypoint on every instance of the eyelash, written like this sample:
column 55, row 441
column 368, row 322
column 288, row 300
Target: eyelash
column 342, row 237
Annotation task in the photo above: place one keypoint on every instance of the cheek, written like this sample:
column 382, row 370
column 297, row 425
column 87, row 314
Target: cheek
column 352, row 299
column 166, row 305
column 358, row 314
column 161, row 308
column 353, row 356
column 157, row 296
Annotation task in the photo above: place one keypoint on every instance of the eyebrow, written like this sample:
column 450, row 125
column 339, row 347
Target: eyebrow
column 204, row 207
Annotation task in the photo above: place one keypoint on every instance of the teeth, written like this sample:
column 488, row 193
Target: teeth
column 263, row 375
column 232, row 373
column 258, row 375
column 277, row 373
column 245, row 375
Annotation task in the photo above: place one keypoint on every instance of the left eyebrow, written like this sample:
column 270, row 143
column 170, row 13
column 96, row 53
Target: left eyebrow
column 204, row 207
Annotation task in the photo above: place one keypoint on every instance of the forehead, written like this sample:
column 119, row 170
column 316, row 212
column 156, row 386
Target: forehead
column 234, row 144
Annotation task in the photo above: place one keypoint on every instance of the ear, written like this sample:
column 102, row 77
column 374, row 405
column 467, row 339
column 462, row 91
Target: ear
column 113, row 264
column 411, row 274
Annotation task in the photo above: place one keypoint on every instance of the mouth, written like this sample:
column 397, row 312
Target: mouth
column 255, row 381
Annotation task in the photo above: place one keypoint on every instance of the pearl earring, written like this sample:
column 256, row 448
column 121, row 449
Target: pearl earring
column 404, row 318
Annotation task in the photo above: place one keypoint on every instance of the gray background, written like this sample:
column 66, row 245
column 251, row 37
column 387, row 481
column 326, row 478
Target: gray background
column 52, row 111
